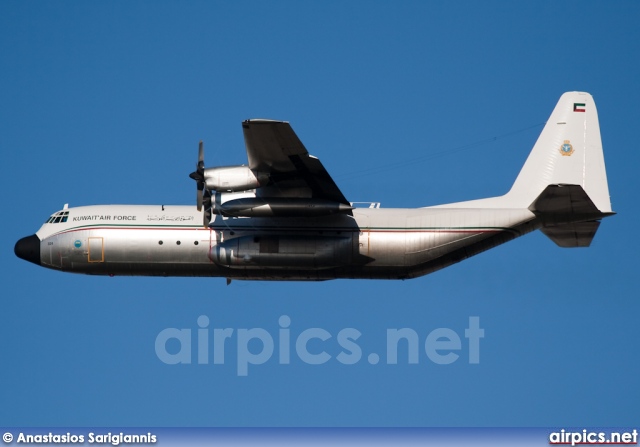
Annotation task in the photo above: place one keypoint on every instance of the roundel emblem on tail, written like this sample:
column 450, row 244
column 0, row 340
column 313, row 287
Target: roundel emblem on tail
column 566, row 149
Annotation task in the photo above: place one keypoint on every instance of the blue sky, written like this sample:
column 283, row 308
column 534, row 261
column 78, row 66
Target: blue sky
column 105, row 103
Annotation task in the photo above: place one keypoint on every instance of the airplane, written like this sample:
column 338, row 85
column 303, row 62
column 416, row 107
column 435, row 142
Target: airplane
column 282, row 217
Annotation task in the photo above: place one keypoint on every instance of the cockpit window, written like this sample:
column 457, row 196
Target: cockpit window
column 60, row 216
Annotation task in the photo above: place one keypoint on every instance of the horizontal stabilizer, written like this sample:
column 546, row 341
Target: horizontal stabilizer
column 579, row 234
column 568, row 215
column 565, row 199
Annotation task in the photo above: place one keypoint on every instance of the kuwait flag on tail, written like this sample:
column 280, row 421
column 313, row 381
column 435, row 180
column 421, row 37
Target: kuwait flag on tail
column 578, row 107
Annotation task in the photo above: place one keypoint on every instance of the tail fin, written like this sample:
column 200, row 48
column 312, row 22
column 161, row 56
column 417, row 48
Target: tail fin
column 563, row 182
column 568, row 152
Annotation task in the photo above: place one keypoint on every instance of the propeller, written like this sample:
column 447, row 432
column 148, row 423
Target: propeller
column 203, row 195
column 198, row 176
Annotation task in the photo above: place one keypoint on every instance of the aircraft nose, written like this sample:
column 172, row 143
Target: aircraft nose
column 28, row 248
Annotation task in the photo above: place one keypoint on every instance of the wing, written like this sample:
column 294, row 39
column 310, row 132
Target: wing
column 274, row 150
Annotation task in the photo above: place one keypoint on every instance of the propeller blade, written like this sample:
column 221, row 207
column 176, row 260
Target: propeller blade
column 198, row 176
column 200, row 155
column 206, row 204
column 206, row 218
column 199, row 199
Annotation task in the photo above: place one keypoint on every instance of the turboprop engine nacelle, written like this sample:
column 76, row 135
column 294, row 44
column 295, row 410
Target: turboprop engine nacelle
column 231, row 178
column 248, row 204
column 282, row 207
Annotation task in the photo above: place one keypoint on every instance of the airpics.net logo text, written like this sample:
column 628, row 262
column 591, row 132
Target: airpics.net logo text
column 206, row 345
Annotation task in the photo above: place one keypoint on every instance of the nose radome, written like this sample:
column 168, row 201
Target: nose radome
column 28, row 248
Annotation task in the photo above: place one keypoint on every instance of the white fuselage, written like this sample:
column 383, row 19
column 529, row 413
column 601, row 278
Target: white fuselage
column 160, row 240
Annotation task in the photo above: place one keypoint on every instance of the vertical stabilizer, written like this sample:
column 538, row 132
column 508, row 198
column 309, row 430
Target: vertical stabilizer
column 568, row 152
